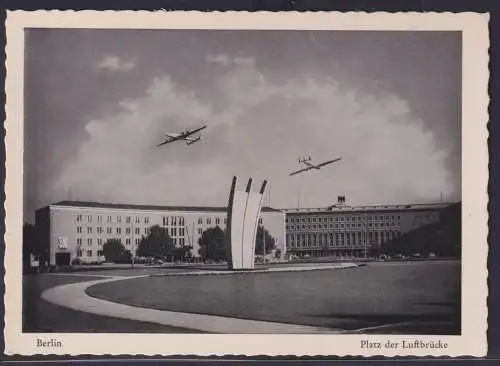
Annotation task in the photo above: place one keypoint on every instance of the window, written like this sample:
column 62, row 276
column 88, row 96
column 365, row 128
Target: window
column 137, row 219
column 100, row 253
column 89, row 230
column 181, row 221
column 118, row 230
column 225, row 221
column 99, row 241
column 127, row 220
column 78, row 229
column 260, row 220
column 128, row 230
column 89, row 253
column 108, row 230
column 200, row 221
column 146, row 231
column 89, row 218
column 89, row 241
column 174, row 220
column 217, row 221
column 108, row 219
column 118, row 219
column 99, row 230
column 78, row 241
column 137, row 241
column 209, row 220
column 200, row 231
column 137, row 230
column 146, row 220
column 99, row 218
column 79, row 218
column 79, row 253
column 181, row 231
column 127, row 241
column 164, row 221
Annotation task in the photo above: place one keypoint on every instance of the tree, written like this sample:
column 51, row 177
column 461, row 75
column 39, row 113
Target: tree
column 158, row 244
column 213, row 244
column 180, row 253
column 259, row 241
column 113, row 250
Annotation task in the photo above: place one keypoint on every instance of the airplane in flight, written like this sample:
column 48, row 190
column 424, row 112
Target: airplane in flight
column 186, row 136
column 312, row 166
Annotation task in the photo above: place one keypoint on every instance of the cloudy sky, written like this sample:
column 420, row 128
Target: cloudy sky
column 98, row 101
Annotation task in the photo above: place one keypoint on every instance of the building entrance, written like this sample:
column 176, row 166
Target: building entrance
column 62, row 259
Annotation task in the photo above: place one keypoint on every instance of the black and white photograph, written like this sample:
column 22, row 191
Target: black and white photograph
column 244, row 181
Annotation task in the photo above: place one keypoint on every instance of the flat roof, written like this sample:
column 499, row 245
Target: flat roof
column 347, row 208
column 123, row 206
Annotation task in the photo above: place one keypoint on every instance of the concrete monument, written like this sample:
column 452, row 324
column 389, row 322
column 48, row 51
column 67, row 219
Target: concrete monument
column 242, row 220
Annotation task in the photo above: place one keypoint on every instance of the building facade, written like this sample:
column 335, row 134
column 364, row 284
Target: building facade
column 73, row 229
column 353, row 231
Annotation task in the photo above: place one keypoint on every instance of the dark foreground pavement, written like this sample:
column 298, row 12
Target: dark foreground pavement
column 421, row 297
column 42, row 316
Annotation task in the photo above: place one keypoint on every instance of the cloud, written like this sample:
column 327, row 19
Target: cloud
column 113, row 63
column 218, row 59
column 258, row 128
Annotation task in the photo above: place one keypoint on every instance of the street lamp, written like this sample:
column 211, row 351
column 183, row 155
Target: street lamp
column 366, row 229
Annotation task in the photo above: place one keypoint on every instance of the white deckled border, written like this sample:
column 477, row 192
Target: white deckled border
column 473, row 340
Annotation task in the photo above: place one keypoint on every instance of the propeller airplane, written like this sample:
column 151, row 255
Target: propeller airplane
column 311, row 166
column 186, row 136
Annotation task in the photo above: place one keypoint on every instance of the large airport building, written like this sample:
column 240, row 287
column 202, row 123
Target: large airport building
column 353, row 231
column 74, row 229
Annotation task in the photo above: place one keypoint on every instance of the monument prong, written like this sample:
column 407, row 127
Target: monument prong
column 249, row 185
column 263, row 187
column 241, row 230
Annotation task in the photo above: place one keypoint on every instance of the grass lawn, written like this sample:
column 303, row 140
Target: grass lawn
column 425, row 293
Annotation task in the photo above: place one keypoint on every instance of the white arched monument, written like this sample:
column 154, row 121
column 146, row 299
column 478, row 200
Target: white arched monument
column 243, row 214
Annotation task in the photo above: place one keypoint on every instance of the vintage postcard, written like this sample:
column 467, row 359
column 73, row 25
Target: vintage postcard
column 184, row 183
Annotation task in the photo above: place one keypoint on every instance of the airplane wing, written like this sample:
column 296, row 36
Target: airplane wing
column 169, row 137
column 328, row 162
column 301, row 170
column 164, row 142
column 190, row 132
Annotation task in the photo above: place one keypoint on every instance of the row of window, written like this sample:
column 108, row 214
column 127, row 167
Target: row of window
column 79, row 253
column 109, row 230
column 208, row 221
column 339, row 239
column 173, row 221
column 109, row 219
column 337, row 226
column 325, row 219
column 167, row 220
column 128, row 241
